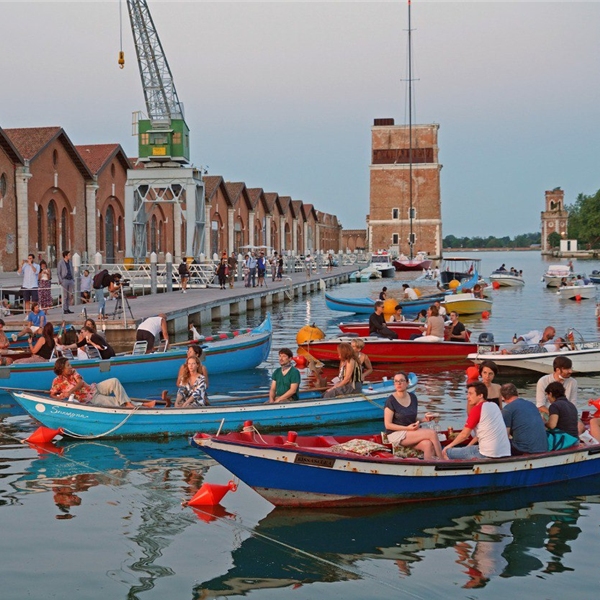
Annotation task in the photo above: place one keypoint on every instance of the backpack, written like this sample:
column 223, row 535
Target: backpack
column 183, row 268
column 97, row 282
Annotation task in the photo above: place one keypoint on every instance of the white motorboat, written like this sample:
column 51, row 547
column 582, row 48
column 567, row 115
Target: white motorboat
column 507, row 279
column 383, row 263
column 577, row 292
column 556, row 273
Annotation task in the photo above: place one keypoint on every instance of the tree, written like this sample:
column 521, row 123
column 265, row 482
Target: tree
column 554, row 240
column 584, row 219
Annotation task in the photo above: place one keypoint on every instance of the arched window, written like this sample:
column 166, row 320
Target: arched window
column 40, row 229
column 64, row 233
column 153, row 233
column 120, row 234
column 100, row 233
column 2, row 186
column 52, row 236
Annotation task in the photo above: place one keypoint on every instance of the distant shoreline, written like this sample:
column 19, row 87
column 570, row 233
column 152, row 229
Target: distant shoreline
column 451, row 250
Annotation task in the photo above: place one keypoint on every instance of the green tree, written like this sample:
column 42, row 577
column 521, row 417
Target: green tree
column 584, row 219
column 554, row 239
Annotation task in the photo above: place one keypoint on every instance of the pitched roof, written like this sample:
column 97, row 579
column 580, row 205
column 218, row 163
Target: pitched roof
column 98, row 156
column 285, row 203
column 237, row 190
column 211, row 183
column 297, row 208
column 31, row 141
column 9, row 148
column 254, row 194
column 270, row 200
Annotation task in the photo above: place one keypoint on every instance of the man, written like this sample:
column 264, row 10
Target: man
column 232, row 263
column 562, row 367
column 286, row 379
column 64, row 271
column 251, row 264
column 409, row 293
column 150, row 328
column 36, row 320
column 106, row 393
column 458, row 332
column 523, row 423
column 4, row 344
column 485, row 419
column 184, row 275
column 113, row 283
column 441, row 309
column 30, row 272
column 308, row 263
column 377, row 325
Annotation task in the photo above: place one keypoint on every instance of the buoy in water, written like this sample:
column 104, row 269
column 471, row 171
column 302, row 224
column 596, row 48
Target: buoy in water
column 453, row 284
column 308, row 333
column 495, row 285
column 301, row 361
column 389, row 307
column 485, row 314
column 578, row 298
column 210, row 494
column 472, row 373
column 43, row 435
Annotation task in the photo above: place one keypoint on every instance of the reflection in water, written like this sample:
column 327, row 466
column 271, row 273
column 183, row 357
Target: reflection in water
column 507, row 535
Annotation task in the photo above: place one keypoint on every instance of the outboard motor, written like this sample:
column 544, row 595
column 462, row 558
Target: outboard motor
column 486, row 338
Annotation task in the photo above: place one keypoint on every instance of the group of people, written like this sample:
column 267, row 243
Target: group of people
column 255, row 268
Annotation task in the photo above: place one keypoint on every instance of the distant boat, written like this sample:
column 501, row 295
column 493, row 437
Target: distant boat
column 461, row 269
column 574, row 292
column 466, row 304
column 382, row 262
column 507, row 279
column 417, row 263
column 556, row 273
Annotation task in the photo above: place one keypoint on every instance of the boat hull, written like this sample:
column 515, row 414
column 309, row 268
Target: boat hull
column 381, row 350
column 243, row 352
column 404, row 329
column 572, row 292
column 96, row 421
column 362, row 306
column 467, row 304
column 507, row 280
column 313, row 477
column 411, row 265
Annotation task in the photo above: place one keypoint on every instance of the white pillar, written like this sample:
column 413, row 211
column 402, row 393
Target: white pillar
column 91, row 210
column 251, row 224
column 22, row 177
column 177, row 220
column 295, row 236
column 282, row 245
column 208, row 230
column 230, row 225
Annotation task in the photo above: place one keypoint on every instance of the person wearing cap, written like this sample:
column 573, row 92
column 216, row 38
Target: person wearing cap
column 286, row 379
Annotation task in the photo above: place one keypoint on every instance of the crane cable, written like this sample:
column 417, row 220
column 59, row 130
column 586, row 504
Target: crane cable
column 121, row 53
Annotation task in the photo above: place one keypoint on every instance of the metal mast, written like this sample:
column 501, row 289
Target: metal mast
column 411, row 236
column 162, row 102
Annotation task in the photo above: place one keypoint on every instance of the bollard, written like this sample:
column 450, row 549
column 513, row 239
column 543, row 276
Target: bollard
column 153, row 273
column 169, row 271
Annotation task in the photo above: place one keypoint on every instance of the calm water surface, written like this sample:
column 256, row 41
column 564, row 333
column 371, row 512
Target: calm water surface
column 103, row 519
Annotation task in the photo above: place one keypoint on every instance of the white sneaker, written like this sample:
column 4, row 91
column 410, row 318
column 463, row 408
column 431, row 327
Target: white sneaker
column 14, row 337
column 183, row 291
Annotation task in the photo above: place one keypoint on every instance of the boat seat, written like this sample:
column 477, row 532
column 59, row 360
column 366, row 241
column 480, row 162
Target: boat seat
column 326, row 441
column 140, row 348
column 162, row 347
column 67, row 353
column 92, row 352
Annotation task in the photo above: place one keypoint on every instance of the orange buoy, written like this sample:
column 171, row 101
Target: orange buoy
column 210, row 494
column 596, row 405
column 495, row 285
column 485, row 314
column 309, row 333
column 43, row 435
column 578, row 298
column 472, row 373
column 46, row 448
column 301, row 362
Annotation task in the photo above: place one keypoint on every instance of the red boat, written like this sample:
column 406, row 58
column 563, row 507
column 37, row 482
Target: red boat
column 380, row 350
column 404, row 329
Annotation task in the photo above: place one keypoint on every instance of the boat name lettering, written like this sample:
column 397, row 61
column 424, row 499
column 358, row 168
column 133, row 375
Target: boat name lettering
column 67, row 413
column 316, row 461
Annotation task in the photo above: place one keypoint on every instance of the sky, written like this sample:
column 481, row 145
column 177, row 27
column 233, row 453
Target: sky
column 282, row 95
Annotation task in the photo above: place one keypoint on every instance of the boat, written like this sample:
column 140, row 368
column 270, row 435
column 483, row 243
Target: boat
column 245, row 351
column 466, row 303
column 418, row 263
column 554, row 275
column 365, row 306
column 23, row 340
column 595, row 276
column 577, row 292
column 585, row 358
column 404, row 329
column 507, row 279
column 77, row 420
column 328, row 471
column 382, row 262
column 382, row 350
column 370, row 272
column 460, row 269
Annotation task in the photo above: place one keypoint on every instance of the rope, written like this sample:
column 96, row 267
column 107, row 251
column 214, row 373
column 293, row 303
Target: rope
column 94, row 437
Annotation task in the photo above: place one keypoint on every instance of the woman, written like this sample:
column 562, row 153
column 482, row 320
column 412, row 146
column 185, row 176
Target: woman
column 44, row 286
column 193, row 351
column 349, row 379
column 91, row 324
column 401, row 421
column 421, row 316
column 222, row 272
column 363, row 359
column 563, row 415
column 280, row 267
column 434, row 327
column 192, row 388
column 43, row 349
column 397, row 315
column 488, row 370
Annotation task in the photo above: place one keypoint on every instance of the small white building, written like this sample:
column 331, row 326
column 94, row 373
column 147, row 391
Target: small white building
column 568, row 245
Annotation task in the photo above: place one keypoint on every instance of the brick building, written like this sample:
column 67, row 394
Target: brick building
column 389, row 223
column 555, row 218
column 354, row 239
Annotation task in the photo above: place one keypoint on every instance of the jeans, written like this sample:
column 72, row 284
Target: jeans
column 466, row 452
column 101, row 300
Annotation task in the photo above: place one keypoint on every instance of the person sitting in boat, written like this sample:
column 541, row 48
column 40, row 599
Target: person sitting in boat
column 562, row 369
column 434, row 327
column 4, row 344
column 88, row 337
column 383, row 294
column 349, row 379
column 523, row 423
column 150, row 328
column 397, row 316
column 409, row 293
column 34, row 324
column 285, row 379
column 563, row 416
column 401, row 422
column 421, row 316
column 441, row 309
column 458, row 332
column 531, row 340
column 365, row 362
column 502, row 268
column 193, row 351
column 43, row 349
column 488, row 369
column 68, row 382
column 377, row 323
column 191, row 392
column 485, row 420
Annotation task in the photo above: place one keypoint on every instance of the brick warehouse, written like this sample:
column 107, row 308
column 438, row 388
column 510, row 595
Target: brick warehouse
column 388, row 220
column 55, row 196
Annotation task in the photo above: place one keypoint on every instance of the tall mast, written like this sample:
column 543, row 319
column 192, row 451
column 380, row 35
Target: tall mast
column 411, row 237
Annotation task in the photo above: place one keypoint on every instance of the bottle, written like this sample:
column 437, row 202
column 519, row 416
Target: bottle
column 515, row 338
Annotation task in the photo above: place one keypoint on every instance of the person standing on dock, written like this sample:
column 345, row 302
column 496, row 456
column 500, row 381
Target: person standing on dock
column 150, row 328
column 30, row 272
column 232, row 263
column 184, row 274
column 64, row 270
column 251, row 264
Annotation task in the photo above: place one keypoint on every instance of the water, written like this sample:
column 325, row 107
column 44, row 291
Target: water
column 104, row 518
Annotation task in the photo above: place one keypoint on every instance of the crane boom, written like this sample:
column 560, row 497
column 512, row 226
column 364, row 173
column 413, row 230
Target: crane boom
column 164, row 136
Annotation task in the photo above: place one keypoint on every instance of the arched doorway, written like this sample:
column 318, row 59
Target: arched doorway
column 64, row 230
column 52, row 239
column 109, row 228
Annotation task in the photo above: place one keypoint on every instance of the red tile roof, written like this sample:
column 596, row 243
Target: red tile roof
column 211, row 183
column 285, row 202
column 270, row 199
column 97, row 156
column 254, row 195
column 29, row 141
column 297, row 208
column 9, row 148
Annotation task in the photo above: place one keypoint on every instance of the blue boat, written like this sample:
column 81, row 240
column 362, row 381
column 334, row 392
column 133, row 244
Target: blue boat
column 84, row 420
column 243, row 352
column 365, row 306
column 322, row 471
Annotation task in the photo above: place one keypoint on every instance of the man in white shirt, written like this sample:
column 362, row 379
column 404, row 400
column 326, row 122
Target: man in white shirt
column 409, row 293
column 563, row 368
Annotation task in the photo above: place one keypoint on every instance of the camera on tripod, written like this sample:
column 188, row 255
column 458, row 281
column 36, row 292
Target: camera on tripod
column 125, row 282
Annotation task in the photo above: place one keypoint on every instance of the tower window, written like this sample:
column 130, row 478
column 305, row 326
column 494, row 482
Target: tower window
column 395, row 213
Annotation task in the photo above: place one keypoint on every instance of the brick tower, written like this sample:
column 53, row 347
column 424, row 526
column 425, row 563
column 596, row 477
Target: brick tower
column 555, row 218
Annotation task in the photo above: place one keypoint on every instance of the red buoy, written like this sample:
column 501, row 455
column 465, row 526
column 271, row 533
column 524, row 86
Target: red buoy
column 43, row 435
column 485, row 314
column 210, row 494
column 472, row 373
column 300, row 361
column 495, row 285
column 578, row 298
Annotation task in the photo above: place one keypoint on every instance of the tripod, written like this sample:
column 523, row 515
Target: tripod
column 120, row 304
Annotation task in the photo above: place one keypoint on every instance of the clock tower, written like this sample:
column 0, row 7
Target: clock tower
column 555, row 218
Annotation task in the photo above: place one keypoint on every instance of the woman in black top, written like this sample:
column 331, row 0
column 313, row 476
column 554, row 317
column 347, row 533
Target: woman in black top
column 43, row 349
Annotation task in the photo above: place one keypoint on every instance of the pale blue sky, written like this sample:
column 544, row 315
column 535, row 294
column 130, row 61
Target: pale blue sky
column 283, row 95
